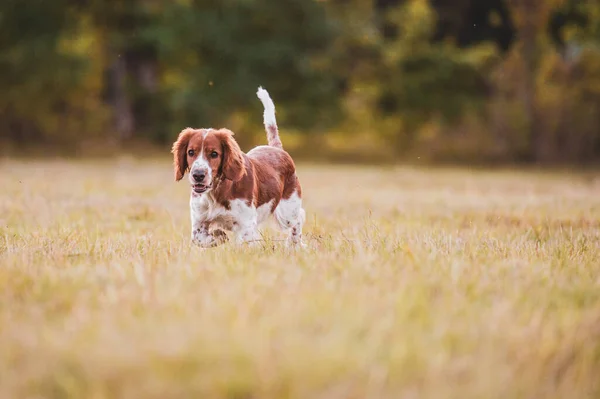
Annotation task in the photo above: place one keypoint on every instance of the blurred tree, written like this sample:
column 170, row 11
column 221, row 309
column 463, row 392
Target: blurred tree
column 423, row 80
column 531, row 18
column 466, row 22
column 132, row 75
column 356, row 57
column 46, row 53
column 578, row 131
column 547, row 87
column 165, row 65
column 401, row 72
column 214, row 55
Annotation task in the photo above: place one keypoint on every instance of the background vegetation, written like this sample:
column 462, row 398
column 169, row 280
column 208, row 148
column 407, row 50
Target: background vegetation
column 444, row 80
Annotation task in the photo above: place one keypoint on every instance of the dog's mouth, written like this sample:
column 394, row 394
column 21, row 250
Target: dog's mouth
column 200, row 188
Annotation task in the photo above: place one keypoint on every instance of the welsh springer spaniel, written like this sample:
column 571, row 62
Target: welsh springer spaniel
column 236, row 191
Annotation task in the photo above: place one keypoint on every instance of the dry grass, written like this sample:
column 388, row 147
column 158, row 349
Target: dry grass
column 416, row 284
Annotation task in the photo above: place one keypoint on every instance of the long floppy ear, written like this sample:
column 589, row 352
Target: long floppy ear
column 179, row 152
column 232, row 166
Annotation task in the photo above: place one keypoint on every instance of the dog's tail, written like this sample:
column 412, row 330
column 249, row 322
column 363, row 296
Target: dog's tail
column 269, row 118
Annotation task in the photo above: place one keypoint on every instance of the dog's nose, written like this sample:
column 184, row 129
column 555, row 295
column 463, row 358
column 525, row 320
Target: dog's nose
column 199, row 176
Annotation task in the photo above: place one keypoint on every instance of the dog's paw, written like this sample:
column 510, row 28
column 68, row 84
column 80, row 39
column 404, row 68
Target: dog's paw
column 220, row 236
column 203, row 240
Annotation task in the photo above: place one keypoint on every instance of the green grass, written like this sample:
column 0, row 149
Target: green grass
column 416, row 284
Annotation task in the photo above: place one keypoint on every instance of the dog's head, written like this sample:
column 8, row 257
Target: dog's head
column 207, row 154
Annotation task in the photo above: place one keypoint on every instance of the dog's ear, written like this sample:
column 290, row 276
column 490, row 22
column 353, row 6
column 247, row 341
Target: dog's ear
column 179, row 152
column 232, row 165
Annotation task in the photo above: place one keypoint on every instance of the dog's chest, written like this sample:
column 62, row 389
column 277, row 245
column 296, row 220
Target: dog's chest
column 239, row 212
column 203, row 208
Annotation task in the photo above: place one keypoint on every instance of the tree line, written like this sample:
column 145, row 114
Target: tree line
column 453, row 80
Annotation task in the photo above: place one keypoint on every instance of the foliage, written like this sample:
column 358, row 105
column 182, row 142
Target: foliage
column 425, row 80
column 217, row 53
column 410, row 75
column 48, row 79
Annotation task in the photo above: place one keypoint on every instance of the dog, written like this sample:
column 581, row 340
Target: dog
column 236, row 191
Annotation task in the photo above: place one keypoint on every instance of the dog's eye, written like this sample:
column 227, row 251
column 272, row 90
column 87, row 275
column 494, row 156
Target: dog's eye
column 191, row 153
column 214, row 154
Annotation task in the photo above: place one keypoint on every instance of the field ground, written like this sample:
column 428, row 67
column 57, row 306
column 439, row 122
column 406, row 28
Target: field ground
column 416, row 284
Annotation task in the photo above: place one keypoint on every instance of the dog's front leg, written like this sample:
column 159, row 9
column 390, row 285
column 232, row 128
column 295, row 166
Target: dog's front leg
column 247, row 233
column 202, row 237
column 201, row 234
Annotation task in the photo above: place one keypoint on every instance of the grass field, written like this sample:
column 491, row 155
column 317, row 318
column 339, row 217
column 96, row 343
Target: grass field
column 416, row 284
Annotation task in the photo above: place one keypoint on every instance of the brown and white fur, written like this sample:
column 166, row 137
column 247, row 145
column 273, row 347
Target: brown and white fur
column 236, row 191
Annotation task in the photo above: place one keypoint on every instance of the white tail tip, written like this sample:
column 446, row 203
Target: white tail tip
column 263, row 94
column 265, row 98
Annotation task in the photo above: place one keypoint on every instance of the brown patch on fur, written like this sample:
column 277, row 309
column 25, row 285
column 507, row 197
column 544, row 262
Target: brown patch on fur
column 179, row 152
column 232, row 166
column 270, row 176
